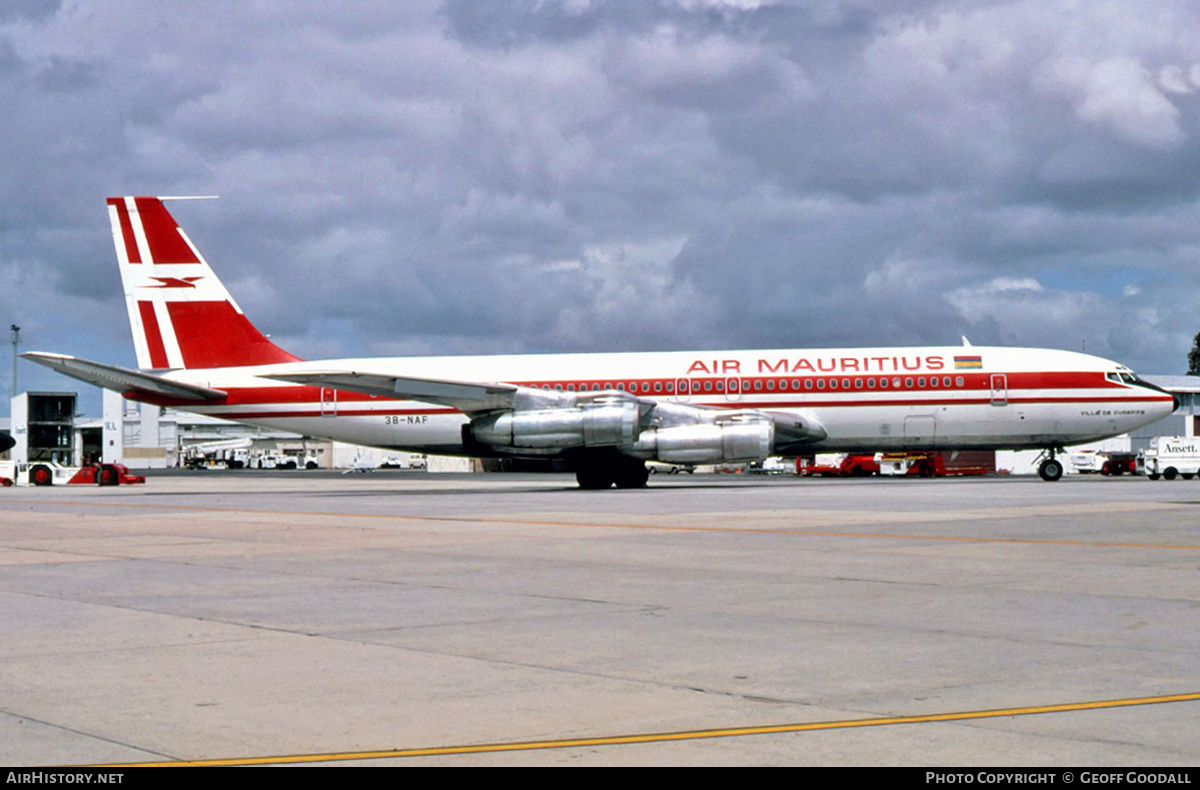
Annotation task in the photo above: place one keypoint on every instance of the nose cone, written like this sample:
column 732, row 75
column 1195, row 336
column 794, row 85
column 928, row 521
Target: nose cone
column 1160, row 406
column 1163, row 407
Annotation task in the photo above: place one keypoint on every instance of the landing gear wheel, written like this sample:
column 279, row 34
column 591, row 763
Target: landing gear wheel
column 594, row 478
column 600, row 470
column 1050, row 470
column 632, row 475
column 41, row 475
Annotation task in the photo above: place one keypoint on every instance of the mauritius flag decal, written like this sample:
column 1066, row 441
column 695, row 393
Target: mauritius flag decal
column 968, row 363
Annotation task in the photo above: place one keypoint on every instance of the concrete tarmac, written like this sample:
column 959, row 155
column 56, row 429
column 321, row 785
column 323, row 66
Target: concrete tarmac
column 414, row 619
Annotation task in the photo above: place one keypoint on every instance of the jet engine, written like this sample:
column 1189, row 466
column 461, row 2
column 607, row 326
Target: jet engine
column 738, row 437
column 590, row 425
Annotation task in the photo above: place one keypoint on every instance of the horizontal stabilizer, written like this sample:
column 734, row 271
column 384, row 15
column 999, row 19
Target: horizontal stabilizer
column 121, row 379
column 467, row 397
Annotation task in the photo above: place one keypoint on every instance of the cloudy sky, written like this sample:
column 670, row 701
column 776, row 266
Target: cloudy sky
column 476, row 177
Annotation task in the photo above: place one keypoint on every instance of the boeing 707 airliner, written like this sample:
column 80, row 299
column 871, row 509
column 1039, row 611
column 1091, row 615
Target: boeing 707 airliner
column 605, row 414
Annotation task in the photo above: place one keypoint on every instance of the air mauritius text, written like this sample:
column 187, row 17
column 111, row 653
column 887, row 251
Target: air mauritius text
column 868, row 364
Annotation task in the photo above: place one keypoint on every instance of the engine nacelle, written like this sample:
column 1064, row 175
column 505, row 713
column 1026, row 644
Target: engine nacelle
column 709, row 443
column 600, row 425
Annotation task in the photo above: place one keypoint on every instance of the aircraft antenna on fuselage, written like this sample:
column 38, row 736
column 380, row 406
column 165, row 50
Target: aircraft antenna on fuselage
column 966, row 343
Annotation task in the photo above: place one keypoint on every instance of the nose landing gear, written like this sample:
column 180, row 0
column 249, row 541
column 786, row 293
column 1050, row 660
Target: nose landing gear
column 1050, row 469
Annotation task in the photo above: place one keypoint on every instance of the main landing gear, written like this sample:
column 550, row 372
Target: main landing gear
column 598, row 471
column 1050, row 469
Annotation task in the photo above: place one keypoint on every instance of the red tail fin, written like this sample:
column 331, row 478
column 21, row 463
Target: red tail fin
column 181, row 314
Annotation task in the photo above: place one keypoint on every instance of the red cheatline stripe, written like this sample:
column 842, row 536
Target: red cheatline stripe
column 259, row 415
column 300, row 396
column 297, row 396
column 217, row 411
column 799, row 404
column 803, row 398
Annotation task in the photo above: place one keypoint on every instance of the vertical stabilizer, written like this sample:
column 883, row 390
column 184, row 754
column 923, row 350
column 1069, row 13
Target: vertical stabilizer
column 180, row 313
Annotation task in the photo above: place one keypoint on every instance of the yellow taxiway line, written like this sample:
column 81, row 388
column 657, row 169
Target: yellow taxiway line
column 689, row 735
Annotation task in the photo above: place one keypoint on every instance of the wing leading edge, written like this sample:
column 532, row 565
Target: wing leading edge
column 122, row 379
column 468, row 397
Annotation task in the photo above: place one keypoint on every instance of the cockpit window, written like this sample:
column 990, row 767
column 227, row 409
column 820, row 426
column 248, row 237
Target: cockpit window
column 1124, row 377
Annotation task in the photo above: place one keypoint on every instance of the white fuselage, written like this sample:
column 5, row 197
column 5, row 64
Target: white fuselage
column 865, row 399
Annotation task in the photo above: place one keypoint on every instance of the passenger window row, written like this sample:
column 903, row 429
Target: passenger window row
column 659, row 387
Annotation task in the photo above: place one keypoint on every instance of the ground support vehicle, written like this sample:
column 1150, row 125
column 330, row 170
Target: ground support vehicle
column 222, row 454
column 774, row 465
column 44, row 473
column 407, row 461
column 660, row 468
column 850, row 466
column 1086, row 462
column 272, row 461
column 1170, row 457
column 1117, row 464
column 939, row 464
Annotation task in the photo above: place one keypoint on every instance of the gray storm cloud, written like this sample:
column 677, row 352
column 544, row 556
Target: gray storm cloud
column 468, row 177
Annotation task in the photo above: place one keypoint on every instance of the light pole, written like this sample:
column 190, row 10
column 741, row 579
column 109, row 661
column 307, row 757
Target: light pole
column 16, row 336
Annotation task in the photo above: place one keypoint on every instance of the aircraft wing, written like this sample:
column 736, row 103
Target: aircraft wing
column 473, row 398
column 121, row 379
column 468, row 397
